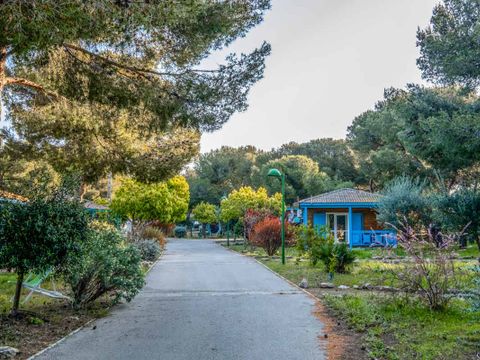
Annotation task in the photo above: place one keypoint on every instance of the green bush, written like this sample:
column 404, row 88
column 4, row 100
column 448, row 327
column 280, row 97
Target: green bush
column 104, row 264
column 475, row 296
column 149, row 249
column 336, row 257
column 320, row 245
column 405, row 198
column 180, row 231
column 39, row 235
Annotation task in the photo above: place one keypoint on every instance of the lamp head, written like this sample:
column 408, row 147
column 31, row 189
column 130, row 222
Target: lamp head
column 274, row 172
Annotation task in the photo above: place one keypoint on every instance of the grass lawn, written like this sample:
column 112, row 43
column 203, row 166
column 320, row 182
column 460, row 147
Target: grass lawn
column 368, row 272
column 471, row 251
column 398, row 328
column 393, row 327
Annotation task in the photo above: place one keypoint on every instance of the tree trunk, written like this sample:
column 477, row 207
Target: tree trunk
column 18, row 292
column 478, row 244
column 244, row 237
column 82, row 190
column 109, row 186
column 3, row 62
column 3, row 75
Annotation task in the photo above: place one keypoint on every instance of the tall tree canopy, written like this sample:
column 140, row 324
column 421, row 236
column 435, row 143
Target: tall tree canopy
column 303, row 178
column 108, row 81
column 449, row 46
column 218, row 172
column 332, row 156
column 316, row 166
column 375, row 138
column 165, row 201
column 246, row 198
column 419, row 132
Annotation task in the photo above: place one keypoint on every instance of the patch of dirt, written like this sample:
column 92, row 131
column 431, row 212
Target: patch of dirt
column 35, row 330
column 341, row 342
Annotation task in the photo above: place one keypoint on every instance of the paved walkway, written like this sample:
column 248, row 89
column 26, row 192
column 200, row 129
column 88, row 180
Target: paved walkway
column 203, row 302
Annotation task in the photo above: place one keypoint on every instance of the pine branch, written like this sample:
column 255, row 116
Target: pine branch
column 134, row 68
column 30, row 84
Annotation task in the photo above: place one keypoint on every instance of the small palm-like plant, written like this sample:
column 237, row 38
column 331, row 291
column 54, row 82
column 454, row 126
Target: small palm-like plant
column 320, row 245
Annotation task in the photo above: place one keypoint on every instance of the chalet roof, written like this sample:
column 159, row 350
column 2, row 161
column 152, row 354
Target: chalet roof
column 341, row 196
column 5, row 195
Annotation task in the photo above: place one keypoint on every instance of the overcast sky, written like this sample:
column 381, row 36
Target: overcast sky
column 330, row 61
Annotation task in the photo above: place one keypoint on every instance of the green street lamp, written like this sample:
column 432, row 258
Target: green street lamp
column 276, row 173
column 224, row 197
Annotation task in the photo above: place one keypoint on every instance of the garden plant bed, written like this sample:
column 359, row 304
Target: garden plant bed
column 383, row 324
column 42, row 321
column 44, row 325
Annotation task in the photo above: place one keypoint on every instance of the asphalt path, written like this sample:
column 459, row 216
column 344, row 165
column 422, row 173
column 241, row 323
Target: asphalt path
column 201, row 302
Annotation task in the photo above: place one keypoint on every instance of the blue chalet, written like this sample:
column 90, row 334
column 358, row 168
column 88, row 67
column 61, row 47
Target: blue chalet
column 350, row 215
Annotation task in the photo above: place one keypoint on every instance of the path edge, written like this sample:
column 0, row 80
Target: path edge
column 316, row 299
column 70, row 334
column 274, row 272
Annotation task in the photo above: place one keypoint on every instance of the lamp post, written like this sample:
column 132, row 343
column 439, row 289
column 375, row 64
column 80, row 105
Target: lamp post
column 276, row 173
column 224, row 197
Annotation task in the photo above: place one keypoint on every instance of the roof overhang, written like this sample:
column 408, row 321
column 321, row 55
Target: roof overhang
column 309, row 205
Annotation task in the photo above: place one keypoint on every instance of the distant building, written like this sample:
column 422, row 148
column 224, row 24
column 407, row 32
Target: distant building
column 350, row 215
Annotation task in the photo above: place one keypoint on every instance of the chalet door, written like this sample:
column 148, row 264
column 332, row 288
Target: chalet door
column 338, row 224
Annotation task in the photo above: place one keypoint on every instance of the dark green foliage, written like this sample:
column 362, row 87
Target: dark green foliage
column 303, row 178
column 309, row 241
column 320, row 245
column 332, row 156
column 37, row 235
column 180, row 231
column 441, row 129
column 106, row 91
column 149, row 249
column 449, row 46
column 194, row 27
column 460, row 211
column 104, row 265
column 419, row 132
column 40, row 234
column 220, row 171
column 25, row 177
column 335, row 256
column 375, row 138
column 404, row 198
column 475, row 298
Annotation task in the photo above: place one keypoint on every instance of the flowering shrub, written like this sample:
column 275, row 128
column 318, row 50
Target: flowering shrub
column 267, row 235
column 431, row 273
